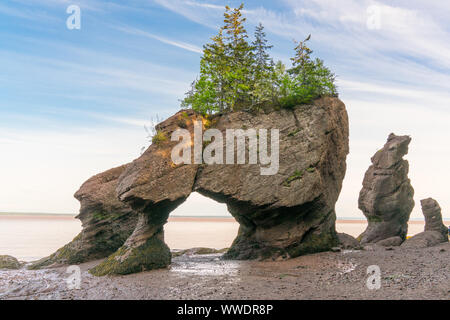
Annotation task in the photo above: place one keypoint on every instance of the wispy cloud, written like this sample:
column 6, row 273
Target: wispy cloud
column 91, row 5
column 178, row 44
column 124, row 73
column 437, row 98
column 205, row 14
column 402, row 30
column 28, row 14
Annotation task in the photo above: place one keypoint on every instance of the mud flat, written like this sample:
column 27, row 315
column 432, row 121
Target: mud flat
column 405, row 274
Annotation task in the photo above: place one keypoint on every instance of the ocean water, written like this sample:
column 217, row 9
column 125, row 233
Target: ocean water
column 31, row 237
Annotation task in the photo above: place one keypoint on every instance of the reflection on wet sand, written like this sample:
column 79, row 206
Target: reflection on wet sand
column 205, row 265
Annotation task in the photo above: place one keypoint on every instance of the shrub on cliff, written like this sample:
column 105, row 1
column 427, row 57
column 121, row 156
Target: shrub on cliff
column 238, row 75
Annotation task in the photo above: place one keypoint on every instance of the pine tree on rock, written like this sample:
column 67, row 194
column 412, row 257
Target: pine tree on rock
column 263, row 60
column 208, row 92
column 215, row 55
column 263, row 71
column 302, row 57
column 238, row 75
column 241, row 58
column 308, row 79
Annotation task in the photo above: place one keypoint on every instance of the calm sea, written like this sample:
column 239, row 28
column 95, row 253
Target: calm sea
column 31, row 237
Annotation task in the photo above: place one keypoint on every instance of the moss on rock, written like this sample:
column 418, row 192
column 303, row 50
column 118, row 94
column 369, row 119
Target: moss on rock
column 68, row 254
column 8, row 262
column 154, row 254
column 298, row 174
column 76, row 252
column 314, row 242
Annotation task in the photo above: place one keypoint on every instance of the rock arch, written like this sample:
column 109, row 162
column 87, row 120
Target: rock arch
column 283, row 215
column 287, row 214
column 200, row 225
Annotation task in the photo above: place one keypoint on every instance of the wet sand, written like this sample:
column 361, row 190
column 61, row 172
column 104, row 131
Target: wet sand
column 405, row 274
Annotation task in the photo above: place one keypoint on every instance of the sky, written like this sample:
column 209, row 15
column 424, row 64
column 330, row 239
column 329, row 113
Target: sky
column 74, row 103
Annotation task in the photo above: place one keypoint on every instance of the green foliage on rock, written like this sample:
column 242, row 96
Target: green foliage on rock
column 298, row 174
column 238, row 75
column 101, row 244
column 159, row 137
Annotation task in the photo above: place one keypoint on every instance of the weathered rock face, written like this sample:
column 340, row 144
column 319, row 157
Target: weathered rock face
column 106, row 221
column 386, row 198
column 287, row 214
column 8, row 262
column 435, row 231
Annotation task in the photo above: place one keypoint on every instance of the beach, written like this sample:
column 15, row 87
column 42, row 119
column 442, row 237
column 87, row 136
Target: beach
column 30, row 237
column 404, row 274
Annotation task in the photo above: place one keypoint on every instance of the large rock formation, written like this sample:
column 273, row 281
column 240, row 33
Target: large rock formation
column 386, row 198
column 106, row 222
column 435, row 231
column 286, row 214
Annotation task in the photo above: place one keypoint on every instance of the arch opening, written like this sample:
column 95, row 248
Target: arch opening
column 200, row 222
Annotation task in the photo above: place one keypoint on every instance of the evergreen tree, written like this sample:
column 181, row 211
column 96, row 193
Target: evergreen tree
column 208, row 92
column 263, row 71
column 236, row 75
column 215, row 56
column 262, row 58
column 308, row 79
column 240, row 57
column 302, row 57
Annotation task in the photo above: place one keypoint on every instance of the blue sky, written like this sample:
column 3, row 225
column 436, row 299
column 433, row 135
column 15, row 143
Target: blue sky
column 74, row 102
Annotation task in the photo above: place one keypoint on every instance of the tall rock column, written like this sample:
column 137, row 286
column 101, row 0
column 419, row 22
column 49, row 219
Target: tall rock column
column 433, row 217
column 386, row 198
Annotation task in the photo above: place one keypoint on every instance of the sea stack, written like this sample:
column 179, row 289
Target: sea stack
column 435, row 231
column 433, row 217
column 386, row 198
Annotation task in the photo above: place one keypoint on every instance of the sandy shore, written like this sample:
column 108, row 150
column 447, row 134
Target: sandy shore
column 405, row 274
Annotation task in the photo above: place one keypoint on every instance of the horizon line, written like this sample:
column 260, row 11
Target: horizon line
column 189, row 216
